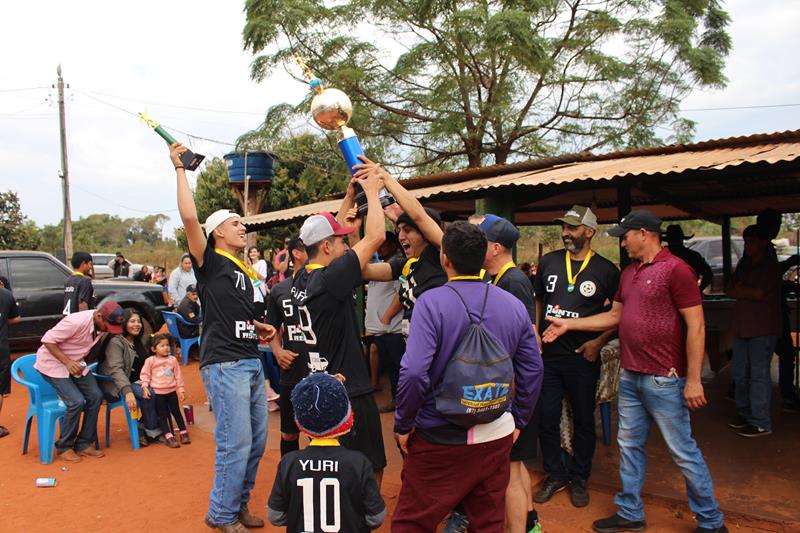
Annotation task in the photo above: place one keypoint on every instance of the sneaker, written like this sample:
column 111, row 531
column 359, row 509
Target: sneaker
column 143, row 441
column 738, row 422
column 388, row 408
column 91, row 452
column 615, row 523
column 578, row 494
column 172, row 442
column 548, row 489
column 233, row 527
column 721, row 529
column 185, row 438
column 69, row 456
column 273, row 406
column 753, row 431
column 249, row 520
column 536, row 529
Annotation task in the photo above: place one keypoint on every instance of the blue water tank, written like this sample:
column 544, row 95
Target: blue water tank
column 260, row 167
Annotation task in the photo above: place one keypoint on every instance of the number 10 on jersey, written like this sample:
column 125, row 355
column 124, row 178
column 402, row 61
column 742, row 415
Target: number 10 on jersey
column 326, row 485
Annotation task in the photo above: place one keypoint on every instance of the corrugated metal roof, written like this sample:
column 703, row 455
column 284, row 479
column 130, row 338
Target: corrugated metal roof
column 654, row 163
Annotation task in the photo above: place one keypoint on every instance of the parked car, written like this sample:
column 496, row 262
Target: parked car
column 101, row 262
column 37, row 280
column 711, row 250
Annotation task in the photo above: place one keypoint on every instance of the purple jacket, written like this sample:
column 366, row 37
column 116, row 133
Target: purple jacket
column 437, row 326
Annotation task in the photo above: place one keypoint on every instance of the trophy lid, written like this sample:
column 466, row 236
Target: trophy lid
column 331, row 109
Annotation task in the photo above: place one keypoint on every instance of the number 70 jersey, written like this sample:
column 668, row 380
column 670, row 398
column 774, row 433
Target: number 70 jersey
column 326, row 489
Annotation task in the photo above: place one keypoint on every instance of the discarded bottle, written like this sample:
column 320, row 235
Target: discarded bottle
column 188, row 412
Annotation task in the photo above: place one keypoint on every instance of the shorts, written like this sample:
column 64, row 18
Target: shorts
column 527, row 444
column 366, row 435
column 5, row 372
column 288, row 425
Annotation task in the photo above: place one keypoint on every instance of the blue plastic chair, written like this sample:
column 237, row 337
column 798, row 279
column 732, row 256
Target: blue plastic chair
column 44, row 405
column 133, row 424
column 172, row 320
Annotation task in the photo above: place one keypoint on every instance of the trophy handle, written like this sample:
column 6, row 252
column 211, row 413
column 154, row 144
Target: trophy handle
column 189, row 159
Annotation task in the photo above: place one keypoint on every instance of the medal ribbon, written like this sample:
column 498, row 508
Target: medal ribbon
column 503, row 270
column 570, row 278
column 247, row 269
column 313, row 266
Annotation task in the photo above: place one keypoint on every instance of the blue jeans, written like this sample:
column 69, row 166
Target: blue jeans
column 239, row 401
column 149, row 415
column 80, row 395
column 644, row 398
column 750, row 369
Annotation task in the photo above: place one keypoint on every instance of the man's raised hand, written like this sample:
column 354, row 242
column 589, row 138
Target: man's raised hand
column 557, row 327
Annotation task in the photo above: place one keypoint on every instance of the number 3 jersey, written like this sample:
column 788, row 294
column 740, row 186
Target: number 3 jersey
column 323, row 298
column 595, row 285
column 326, row 488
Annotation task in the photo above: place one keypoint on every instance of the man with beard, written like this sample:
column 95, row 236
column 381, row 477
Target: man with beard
column 571, row 283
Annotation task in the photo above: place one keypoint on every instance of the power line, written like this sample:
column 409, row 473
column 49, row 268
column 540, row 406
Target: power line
column 120, row 205
column 178, row 106
column 23, row 89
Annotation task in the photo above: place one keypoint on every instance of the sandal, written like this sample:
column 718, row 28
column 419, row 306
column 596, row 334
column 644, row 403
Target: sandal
column 4, row 432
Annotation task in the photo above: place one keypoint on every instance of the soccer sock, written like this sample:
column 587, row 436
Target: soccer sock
column 533, row 518
column 289, row 446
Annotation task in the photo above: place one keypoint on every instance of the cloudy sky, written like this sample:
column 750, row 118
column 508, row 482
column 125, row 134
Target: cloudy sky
column 183, row 63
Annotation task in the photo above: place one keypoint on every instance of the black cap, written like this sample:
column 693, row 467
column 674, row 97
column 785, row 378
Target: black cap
column 406, row 219
column 191, row 288
column 499, row 230
column 635, row 220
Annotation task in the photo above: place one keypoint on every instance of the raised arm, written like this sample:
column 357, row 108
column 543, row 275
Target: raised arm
column 407, row 201
column 374, row 228
column 186, row 207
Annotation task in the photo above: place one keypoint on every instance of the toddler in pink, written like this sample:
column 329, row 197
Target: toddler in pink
column 162, row 372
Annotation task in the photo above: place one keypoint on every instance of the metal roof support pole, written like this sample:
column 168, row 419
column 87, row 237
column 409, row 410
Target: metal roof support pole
column 501, row 205
column 623, row 208
column 727, row 265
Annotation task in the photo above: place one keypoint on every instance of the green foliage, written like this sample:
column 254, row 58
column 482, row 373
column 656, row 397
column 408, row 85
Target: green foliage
column 16, row 231
column 496, row 80
column 212, row 191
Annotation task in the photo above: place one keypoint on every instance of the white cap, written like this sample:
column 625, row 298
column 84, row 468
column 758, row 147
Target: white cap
column 218, row 217
column 319, row 227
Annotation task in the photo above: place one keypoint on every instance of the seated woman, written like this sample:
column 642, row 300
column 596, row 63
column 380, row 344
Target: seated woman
column 124, row 357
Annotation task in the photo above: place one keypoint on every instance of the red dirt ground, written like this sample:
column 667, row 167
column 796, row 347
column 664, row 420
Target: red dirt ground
column 161, row 489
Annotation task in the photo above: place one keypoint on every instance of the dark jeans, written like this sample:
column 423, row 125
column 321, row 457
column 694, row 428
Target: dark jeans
column 786, row 354
column 81, row 395
column 391, row 348
column 577, row 377
column 167, row 404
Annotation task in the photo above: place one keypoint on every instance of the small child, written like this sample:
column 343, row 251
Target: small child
column 324, row 487
column 162, row 372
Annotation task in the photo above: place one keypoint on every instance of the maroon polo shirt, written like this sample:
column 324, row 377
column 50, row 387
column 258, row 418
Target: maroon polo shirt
column 652, row 333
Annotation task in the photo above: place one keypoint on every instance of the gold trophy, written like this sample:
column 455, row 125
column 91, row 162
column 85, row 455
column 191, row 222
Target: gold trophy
column 332, row 110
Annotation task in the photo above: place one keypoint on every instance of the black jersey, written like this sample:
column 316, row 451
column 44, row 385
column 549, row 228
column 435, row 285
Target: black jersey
column 326, row 306
column 281, row 312
column 78, row 289
column 8, row 310
column 518, row 284
column 326, row 488
column 596, row 285
column 229, row 331
column 417, row 275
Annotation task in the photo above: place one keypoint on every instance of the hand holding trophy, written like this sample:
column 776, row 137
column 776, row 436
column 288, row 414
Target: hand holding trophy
column 189, row 159
column 332, row 110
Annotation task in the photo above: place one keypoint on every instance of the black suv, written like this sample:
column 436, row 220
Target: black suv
column 37, row 280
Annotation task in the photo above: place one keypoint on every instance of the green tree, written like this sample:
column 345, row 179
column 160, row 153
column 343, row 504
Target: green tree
column 496, row 80
column 16, row 231
column 147, row 229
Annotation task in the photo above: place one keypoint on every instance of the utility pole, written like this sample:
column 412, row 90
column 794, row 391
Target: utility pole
column 64, row 174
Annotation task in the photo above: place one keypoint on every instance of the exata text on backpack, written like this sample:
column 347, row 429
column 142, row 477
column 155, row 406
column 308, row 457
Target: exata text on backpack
column 476, row 386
